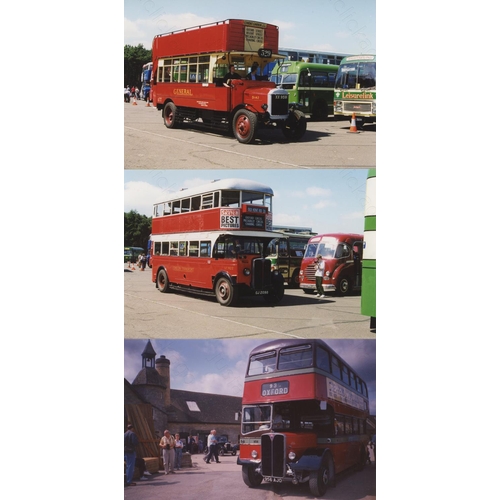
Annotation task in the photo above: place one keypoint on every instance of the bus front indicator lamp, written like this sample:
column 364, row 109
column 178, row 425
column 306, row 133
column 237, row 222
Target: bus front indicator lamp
column 291, row 455
column 246, row 271
column 254, row 454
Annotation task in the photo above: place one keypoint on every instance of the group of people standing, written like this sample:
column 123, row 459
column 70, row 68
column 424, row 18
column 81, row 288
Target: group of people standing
column 171, row 447
column 131, row 92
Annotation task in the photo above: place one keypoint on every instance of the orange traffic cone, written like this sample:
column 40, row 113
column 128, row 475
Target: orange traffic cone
column 353, row 128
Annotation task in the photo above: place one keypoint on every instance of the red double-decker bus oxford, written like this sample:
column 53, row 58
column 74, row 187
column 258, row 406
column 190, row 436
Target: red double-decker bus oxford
column 303, row 417
column 188, row 84
column 342, row 255
column 213, row 240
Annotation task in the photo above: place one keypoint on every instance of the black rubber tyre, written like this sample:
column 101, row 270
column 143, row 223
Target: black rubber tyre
column 318, row 481
column 169, row 115
column 225, row 292
column 343, row 286
column 244, row 126
column 250, row 477
column 162, row 281
column 295, row 126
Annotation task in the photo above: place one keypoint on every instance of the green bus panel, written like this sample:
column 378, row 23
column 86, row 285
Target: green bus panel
column 368, row 293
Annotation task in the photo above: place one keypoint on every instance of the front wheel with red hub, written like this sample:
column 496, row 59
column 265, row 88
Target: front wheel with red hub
column 244, row 126
column 169, row 114
column 225, row 292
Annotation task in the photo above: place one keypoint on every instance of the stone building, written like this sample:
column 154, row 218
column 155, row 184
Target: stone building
column 185, row 412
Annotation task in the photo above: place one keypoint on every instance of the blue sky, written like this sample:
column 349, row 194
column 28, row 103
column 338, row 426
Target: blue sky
column 327, row 200
column 338, row 26
column 218, row 366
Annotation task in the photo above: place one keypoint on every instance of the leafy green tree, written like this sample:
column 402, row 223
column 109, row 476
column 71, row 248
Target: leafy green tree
column 135, row 58
column 137, row 229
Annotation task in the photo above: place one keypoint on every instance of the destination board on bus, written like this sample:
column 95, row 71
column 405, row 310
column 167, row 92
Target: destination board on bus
column 340, row 393
column 275, row 388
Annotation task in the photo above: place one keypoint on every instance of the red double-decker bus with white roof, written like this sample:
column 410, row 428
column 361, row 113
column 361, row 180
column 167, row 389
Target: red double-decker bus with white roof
column 342, row 254
column 303, row 417
column 188, row 83
column 213, row 240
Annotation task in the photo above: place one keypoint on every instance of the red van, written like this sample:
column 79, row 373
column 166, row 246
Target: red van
column 342, row 254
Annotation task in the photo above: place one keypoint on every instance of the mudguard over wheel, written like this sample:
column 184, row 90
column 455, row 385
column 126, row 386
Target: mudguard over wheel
column 169, row 115
column 225, row 292
column 162, row 281
column 244, row 126
column 295, row 125
column 250, row 477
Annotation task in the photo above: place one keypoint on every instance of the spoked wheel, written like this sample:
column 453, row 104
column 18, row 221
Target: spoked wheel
column 244, row 126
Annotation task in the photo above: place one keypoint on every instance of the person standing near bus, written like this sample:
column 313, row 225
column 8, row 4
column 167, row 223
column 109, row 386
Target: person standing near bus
column 212, row 447
column 142, row 261
column 178, row 452
column 320, row 271
column 167, row 444
column 131, row 443
column 370, row 449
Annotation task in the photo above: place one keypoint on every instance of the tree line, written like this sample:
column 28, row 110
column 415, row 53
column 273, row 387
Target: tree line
column 137, row 229
column 135, row 58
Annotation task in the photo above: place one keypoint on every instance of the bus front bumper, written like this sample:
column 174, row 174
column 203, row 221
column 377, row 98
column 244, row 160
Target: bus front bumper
column 312, row 286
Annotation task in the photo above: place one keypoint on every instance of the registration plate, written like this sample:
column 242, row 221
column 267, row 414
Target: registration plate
column 262, row 292
column 273, row 479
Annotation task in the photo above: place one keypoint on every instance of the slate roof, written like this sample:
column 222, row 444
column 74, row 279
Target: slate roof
column 214, row 408
column 149, row 376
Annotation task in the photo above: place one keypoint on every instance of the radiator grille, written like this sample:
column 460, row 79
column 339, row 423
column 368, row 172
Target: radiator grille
column 273, row 455
column 261, row 273
column 309, row 272
column 279, row 105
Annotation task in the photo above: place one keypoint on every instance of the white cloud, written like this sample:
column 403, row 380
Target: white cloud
column 287, row 220
column 318, row 192
column 140, row 196
column 324, row 204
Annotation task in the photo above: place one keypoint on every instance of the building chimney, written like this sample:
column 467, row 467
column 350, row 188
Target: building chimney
column 163, row 368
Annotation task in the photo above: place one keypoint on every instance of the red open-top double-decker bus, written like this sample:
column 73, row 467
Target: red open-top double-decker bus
column 342, row 254
column 188, row 81
column 304, row 415
column 213, row 239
